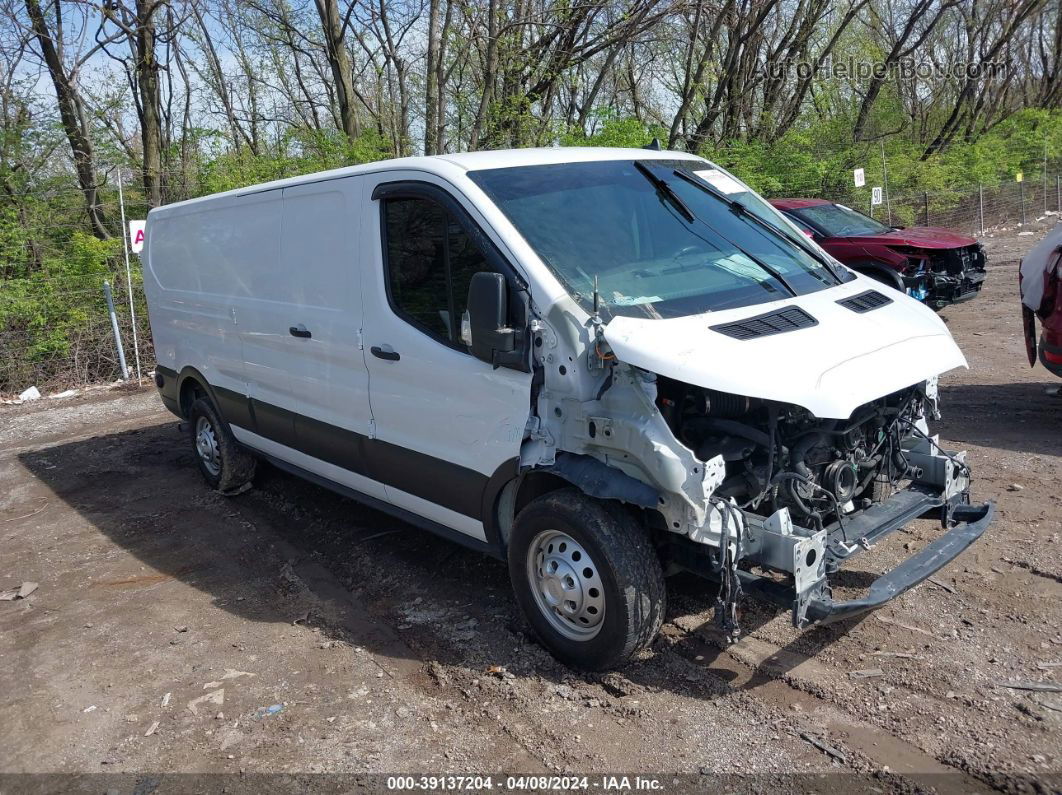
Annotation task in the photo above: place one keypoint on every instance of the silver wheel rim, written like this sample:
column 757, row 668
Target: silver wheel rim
column 206, row 444
column 566, row 585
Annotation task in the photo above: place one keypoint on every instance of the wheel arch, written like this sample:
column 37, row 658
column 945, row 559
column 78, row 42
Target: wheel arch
column 191, row 385
column 506, row 494
column 881, row 272
column 591, row 477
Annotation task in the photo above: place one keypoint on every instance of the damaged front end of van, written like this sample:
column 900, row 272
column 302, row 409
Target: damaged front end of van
column 766, row 409
column 758, row 494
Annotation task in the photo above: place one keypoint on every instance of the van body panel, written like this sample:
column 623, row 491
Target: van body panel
column 191, row 283
column 435, row 401
column 259, row 307
column 321, row 251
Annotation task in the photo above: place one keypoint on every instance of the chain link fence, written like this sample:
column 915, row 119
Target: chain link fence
column 56, row 331
column 974, row 212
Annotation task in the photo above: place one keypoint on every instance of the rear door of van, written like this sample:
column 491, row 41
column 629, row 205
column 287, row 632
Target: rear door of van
column 445, row 421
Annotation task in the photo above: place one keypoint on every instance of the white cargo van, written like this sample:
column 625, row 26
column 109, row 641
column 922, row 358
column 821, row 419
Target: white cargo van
column 603, row 365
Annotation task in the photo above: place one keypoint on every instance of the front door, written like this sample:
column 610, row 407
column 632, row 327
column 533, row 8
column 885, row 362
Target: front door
column 445, row 421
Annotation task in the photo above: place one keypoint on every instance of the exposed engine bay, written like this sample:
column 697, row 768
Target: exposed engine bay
column 781, row 456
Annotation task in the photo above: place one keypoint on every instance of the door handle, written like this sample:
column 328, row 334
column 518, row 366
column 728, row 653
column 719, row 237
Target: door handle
column 380, row 353
column 300, row 331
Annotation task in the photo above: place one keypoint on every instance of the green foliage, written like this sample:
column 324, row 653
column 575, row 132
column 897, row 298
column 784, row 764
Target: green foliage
column 300, row 152
column 819, row 161
column 42, row 313
column 616, row 132
column 51, row 270
column 790, row 165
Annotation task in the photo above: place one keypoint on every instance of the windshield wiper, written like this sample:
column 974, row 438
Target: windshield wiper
column 745, row 212
column 666, row 191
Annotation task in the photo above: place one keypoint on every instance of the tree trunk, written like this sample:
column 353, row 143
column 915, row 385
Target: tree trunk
column 490, row 75
column 147, row 78
column 339, row 61
column 431, row 85
column 72, row 115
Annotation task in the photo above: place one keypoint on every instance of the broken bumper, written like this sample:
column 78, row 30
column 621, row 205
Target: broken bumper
column 948, row 289
column 971, row 522
column 809, row 594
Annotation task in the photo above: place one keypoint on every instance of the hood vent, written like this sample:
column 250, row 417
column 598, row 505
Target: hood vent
column 778, row 322
column 864, row 302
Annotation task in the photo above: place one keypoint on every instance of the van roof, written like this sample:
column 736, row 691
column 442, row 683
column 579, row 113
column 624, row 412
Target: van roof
column 466, row 161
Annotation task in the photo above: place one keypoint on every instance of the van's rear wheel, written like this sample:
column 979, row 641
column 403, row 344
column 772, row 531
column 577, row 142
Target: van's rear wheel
column 587, row 578
column 222, row 462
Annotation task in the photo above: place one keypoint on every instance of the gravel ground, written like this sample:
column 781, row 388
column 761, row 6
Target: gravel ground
column 291, row 631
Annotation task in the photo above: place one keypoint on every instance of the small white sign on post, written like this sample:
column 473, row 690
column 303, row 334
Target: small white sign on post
column 875, row 196
column 860, row 178
column 136, row 236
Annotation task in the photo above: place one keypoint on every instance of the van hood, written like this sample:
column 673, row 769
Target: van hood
column 844, row 361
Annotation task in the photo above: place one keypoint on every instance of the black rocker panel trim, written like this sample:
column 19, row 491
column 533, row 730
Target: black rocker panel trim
column 492, row 549
column 339, row 446
column 444, row 483
column 434, row 479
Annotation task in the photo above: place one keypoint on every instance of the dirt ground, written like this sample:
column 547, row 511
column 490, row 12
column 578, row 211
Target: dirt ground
column 292, row 631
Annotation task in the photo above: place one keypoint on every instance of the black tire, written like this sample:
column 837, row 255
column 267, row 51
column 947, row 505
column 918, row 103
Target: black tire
column 232, row 467
column 628, row 570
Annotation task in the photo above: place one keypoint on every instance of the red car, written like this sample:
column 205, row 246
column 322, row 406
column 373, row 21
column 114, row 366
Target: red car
column 1040, row 284
column 931, row 264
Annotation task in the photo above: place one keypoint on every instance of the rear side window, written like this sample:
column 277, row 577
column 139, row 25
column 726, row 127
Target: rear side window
column 430, row 262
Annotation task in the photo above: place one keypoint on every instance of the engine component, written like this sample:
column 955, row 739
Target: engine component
column 841, row 478
column 781, row 456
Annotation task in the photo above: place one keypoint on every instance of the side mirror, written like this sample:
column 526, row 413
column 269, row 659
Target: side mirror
column 488, row 312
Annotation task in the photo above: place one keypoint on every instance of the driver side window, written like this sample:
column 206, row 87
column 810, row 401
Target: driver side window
column 430, row 260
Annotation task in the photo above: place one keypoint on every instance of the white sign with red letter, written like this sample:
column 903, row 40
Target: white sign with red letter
column 136, row 236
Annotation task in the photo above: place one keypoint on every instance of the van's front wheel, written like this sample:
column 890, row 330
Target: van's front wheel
column 223, row 464
column 587, row 578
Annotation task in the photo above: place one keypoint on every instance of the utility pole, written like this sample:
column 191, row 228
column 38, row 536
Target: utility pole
column 114, row 328
column 981, row 206
column 128, row 276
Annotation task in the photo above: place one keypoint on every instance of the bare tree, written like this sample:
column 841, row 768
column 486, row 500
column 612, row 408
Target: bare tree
column 908, row 27
column 49, row 36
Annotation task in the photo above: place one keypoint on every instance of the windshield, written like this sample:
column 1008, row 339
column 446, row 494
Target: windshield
column 836, row 220
column 660, row 246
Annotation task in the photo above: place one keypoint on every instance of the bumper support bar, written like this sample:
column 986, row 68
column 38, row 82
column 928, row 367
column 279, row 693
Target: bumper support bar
column 972, row 521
